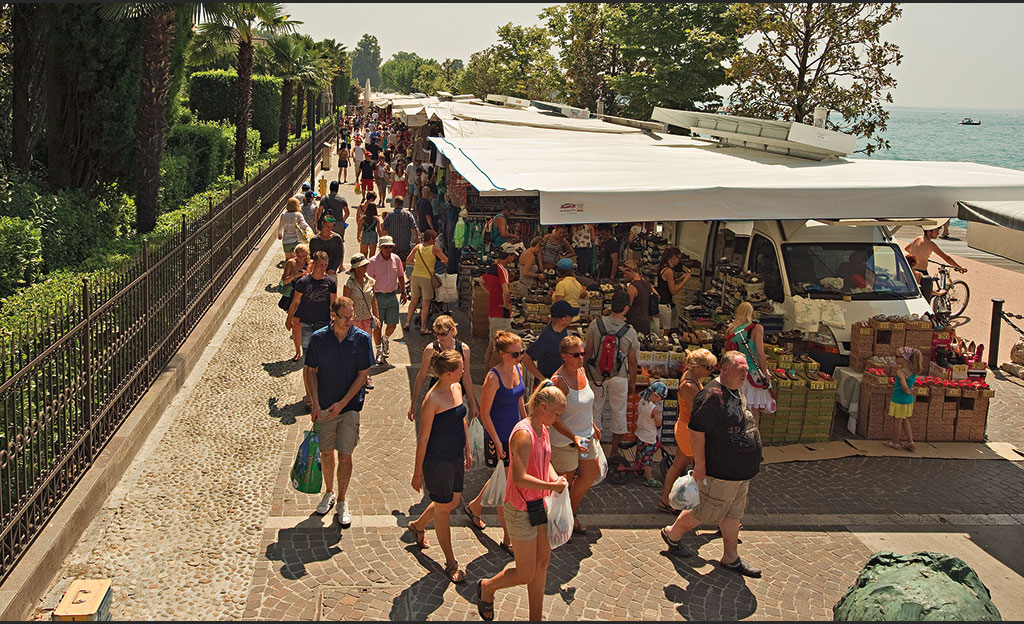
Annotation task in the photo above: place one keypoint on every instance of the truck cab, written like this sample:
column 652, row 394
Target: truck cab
column 860, row 266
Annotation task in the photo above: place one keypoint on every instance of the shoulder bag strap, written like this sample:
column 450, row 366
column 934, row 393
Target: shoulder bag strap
column 430, row 268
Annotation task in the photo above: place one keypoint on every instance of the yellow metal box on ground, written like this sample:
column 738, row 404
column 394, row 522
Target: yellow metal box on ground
column 85, row 600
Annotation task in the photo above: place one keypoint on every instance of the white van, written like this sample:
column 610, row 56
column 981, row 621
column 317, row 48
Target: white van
column 864, row 256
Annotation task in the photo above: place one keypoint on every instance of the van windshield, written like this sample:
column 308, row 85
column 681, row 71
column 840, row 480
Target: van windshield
column 862, row 271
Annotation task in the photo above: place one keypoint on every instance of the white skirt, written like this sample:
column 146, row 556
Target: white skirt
column 758, row 398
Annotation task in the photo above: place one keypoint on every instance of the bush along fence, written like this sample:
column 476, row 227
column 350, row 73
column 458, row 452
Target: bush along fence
column 70, row 380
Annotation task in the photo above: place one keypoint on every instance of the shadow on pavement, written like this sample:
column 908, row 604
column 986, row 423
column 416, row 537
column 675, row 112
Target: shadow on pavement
column 565, row 565
column 282, row 367
column 286, row 414
column 717, row 595
column 294, row 548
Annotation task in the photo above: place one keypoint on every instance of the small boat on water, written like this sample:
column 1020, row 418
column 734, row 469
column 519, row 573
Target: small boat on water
column 967, row 121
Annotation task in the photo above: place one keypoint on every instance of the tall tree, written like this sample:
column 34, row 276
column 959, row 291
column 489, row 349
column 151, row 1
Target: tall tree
column 529, row 70
column 672, row 55
column 286, row 57
column 812, row 54
column 366, row 61
column 27, row 106
column 160, row 24
column 482, row 74
column 588, row 51
column 243, row 22
column 451, row 74
column 399, row 72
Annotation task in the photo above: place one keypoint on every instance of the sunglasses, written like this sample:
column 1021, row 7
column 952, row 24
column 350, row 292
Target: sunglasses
column 515, row 354
column 575, row 355
column 442, row 335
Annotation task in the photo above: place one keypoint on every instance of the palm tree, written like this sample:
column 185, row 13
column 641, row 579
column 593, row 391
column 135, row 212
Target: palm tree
column 242, row 23
column 159, row 23
column 288, row 57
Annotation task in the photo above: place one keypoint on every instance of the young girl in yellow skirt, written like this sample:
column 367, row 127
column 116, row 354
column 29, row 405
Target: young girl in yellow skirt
column 902, row 405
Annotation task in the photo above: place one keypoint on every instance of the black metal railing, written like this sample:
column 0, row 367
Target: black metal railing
column 70, row 380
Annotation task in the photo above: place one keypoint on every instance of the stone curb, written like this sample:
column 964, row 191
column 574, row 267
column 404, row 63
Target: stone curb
column 21, row 592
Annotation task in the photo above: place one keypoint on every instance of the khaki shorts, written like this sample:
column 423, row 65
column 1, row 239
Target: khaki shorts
column 518, row 524
column 564, row 458
column 422, row 288
column 721, row 499
column 340, row 432
column 494, row 325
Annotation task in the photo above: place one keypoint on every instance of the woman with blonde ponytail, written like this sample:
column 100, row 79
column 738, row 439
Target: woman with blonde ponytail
column 442, row 456
column 530, row 477
column 747, row 336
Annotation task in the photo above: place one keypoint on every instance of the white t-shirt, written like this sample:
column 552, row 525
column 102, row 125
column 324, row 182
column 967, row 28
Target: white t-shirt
column 358, row 153
column 410, row 172
column 646, row 430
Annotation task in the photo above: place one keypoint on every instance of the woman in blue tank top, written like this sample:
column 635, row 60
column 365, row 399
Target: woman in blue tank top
column 442, row 456
column 501, row 408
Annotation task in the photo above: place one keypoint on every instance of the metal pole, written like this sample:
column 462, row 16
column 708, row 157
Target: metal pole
column 312, row 144
column 993, row 337
column 87, row 365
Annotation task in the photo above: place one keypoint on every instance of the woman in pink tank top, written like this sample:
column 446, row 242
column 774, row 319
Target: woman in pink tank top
column 530, row 477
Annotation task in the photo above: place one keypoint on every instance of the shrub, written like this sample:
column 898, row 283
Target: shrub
column 174, row 187
column 205, row 147
column 20, row 254
column 212, row 97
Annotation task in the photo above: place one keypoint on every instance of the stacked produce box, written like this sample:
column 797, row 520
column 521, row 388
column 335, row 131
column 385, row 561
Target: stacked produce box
column 805, row 400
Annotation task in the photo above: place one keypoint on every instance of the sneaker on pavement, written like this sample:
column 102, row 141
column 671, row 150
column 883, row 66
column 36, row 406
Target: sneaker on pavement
column 380, row 352
column 325, row 503
column 344, row 517
column 386, row 347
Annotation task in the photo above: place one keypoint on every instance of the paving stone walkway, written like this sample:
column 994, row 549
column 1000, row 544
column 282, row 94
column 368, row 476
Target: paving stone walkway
column 205, row 526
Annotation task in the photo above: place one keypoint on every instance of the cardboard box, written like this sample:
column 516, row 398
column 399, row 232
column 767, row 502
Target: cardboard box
column 85, row 600
column 888, row 341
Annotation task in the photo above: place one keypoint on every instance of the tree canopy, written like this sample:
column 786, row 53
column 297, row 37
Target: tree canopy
column 366, row 61
column 810, row 55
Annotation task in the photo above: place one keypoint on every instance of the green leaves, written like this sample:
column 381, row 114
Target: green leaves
column 810, row 55
column 366, row 61
column 21, row 257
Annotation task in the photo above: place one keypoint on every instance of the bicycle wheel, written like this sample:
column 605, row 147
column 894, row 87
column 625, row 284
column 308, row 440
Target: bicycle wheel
column 666, row 463
column 957, row 297
column 619, row 470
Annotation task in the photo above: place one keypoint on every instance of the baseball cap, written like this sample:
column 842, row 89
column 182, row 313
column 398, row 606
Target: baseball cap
column 562, row 308
column 564, row 264
column 306, row 186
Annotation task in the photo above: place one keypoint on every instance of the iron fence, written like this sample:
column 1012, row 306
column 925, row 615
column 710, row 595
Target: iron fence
column 70, row 380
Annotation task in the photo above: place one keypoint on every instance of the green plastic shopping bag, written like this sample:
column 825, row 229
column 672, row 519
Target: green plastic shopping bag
column 306, row 473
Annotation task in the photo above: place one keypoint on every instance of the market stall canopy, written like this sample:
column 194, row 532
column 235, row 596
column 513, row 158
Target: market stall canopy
column 581, row 179
column 1005, row 213
column 459, row 129
column 520, row 117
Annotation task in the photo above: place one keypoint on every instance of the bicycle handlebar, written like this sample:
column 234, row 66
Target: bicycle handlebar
column 948, row 266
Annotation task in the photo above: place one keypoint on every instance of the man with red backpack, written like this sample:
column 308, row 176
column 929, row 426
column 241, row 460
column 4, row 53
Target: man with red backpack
column 610, row 355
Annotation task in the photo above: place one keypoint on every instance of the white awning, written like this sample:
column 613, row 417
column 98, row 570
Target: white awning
column 584, row 178
column 1004, row 213
column 519, row 117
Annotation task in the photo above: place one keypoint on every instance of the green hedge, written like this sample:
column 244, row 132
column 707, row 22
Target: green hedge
column 207, row 151
column 212, row 97
column 174, row 181
column 20, row 254
column 19, row 310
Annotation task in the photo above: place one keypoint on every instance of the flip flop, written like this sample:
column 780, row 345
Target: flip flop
column 898, row 447
column 662, row 507
column 454, row 574
column 742, row 568
column 473, row 518
column 420, row 535
column 481, row 606
column 507, row 548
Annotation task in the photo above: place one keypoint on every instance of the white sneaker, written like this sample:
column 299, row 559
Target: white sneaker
column 380, row 353
column 344, row 517
column 325, row 503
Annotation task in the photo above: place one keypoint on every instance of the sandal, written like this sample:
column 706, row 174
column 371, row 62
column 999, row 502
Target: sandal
column 579, row 528
column 909, row 446
column 742, row 568
column 662, row 507
column 473, row 518
column 424, row 332
column 483, row 608
column 890, row 444
column 507, row 548
column 454, row 574
column 676, row 546
column 420, row 535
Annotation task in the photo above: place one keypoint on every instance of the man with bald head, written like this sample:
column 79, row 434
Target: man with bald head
column 727, row 454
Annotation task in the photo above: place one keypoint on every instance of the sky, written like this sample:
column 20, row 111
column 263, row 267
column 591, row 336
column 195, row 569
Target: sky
column 955, row 55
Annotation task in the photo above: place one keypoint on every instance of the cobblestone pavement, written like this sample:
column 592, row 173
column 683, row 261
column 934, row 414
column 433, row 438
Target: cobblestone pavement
column 205, row 526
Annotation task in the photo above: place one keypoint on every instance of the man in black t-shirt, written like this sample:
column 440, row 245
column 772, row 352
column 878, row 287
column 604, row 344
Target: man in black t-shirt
column 311, row 303
column 607, row 253
column 727, row 454
column 425, row 211
column 366, row 168
column 334, row 205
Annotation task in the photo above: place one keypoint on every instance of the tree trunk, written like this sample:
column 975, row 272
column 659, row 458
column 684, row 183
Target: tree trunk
column 286, row 114
column 300, row 101
column 243, row 99
column 27, row 82
column 157, row 40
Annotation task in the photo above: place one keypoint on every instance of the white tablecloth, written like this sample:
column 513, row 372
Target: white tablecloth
column 848, row 392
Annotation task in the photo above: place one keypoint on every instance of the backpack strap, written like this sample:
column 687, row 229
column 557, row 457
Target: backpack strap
column 622, row 330
column 600, row 326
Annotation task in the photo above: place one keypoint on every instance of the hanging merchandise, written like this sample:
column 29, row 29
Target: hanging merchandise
column 460, row 229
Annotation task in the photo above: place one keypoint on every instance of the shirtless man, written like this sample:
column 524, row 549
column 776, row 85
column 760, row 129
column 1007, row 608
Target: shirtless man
column 921, row 248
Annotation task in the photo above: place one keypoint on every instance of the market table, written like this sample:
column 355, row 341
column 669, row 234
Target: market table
column 848, row 393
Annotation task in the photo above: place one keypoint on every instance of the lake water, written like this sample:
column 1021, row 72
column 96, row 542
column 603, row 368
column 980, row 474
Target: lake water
column 934, row 134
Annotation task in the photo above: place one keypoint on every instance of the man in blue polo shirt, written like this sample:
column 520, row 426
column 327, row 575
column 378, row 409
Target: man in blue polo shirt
column 338, row 360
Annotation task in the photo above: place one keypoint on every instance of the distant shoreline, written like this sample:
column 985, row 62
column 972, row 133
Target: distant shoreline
column 958, row 109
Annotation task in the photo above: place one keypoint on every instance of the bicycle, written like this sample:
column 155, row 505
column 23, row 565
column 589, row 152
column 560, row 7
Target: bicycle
column 620, row 468
column 951, row 296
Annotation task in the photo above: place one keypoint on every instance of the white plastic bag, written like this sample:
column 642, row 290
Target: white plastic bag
column 684, row 494
column 602, row 462
column 559, row 518
column 448, row 291
column 476, row 442
column 494, row 491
